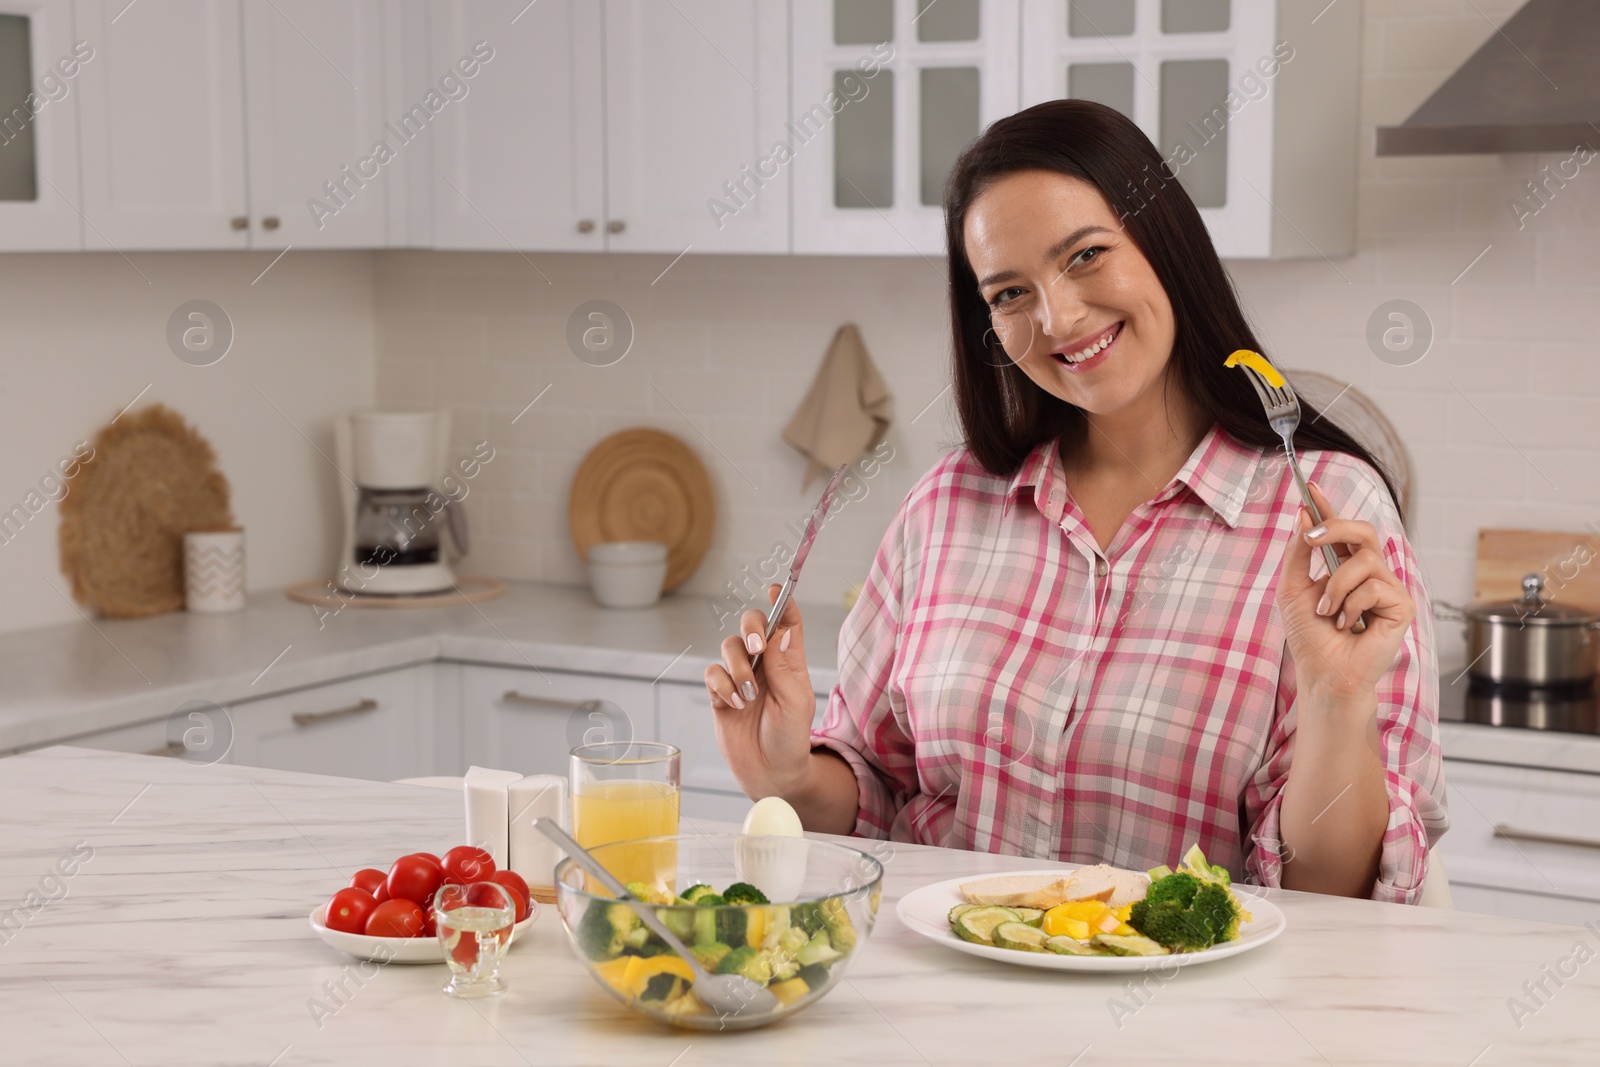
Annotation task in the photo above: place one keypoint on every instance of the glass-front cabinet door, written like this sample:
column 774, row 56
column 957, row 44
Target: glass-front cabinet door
column 1196, row 75
column 885, row 95
column 40, row 63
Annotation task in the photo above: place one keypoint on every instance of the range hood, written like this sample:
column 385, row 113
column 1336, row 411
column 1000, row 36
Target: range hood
column 1534, row 86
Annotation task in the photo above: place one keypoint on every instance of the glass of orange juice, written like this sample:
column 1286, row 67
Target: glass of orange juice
column 623, row 790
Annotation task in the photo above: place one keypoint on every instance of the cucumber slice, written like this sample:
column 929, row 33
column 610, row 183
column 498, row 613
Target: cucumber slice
column 1020, row 936
column 1031, row 916
column 960, row 910
column 978, row 924
column 1071, row 946
column 1129, row 945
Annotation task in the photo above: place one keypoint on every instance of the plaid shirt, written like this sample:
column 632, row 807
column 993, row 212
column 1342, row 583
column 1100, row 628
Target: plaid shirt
column 1007, row 687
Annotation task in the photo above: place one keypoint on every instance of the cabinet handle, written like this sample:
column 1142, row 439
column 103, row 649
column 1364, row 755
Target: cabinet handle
column 271, row 222
column 1509, row 833
column 514, row 697
column 171, row 748
column 239, row 222
column 311, row 718
column 586, row 225
column 616, row 226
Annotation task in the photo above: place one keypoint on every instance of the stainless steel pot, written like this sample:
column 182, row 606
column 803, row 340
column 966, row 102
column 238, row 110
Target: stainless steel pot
column 1529, row 641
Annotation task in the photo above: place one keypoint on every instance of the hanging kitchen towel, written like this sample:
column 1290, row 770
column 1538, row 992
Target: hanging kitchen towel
column 846, row 411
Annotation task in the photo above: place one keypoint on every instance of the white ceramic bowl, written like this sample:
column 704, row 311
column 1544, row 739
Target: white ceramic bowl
column 627, row 574
column 396, row 949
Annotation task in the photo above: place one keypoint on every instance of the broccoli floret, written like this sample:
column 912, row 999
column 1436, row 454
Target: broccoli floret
column 710, row 900
column 1180, row 887
column 708, row 956
column 653, row 948
column 695, row 892
column 807, row 917
column 1216, row 905
column 841, row 931
column 744, row 893
column 1187, row 911
column 604, row 928
column 748, row 962
column 637, row 938
column 648, row 893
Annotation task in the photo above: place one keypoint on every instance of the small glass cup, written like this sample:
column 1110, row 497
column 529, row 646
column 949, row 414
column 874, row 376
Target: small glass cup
column 621, row 790
column 474, row 923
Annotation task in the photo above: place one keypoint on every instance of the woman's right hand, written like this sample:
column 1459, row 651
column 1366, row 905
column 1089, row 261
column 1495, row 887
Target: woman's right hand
column 766, row 738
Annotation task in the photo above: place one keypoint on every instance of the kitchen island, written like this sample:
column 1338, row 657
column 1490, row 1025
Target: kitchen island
column 181, row 937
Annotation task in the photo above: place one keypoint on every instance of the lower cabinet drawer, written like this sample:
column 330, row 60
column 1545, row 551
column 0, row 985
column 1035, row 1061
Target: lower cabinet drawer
column 529, row 720
column 1511, row 905
column 379, row 726
column 1522, row 830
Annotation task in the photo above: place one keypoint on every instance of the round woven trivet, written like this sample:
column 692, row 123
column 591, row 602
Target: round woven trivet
column 151, row 478
column 644, row 485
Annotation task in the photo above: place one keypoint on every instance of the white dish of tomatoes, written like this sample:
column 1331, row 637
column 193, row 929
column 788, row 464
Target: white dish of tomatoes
column 387, row 917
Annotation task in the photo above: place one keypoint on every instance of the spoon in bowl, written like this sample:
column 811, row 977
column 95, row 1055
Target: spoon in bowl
column 725, row 994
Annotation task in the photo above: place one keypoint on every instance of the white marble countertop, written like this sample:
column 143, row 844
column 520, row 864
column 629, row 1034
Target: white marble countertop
column 184, row 940
column 67, row 680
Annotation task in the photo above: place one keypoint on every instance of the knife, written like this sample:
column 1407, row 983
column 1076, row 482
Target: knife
column 803, row 549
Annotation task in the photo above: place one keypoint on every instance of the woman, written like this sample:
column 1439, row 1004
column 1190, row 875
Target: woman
column 1101, row 630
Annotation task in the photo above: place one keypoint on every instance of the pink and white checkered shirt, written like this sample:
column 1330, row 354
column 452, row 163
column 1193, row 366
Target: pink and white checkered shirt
column 1007, row 687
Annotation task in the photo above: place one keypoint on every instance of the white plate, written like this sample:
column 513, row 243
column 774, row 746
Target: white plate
column 396, row 949
column 927, row 912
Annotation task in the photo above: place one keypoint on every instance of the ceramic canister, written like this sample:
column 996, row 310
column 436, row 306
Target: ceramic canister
column 213, row 571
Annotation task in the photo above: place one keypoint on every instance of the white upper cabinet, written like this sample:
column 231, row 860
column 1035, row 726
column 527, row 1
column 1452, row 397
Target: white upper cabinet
column 162, row 115
column 41, row 68
column 322, row 159
column 695, row 104
column 517, row 164
column 886, row 93
column 1251, row 103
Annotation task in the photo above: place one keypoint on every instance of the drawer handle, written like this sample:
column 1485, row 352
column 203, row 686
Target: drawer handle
column 310, row 718
column 514, row 697
column 1509, row 833
column 171, row 748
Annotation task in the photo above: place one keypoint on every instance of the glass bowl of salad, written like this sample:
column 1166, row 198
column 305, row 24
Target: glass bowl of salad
column 786, row 912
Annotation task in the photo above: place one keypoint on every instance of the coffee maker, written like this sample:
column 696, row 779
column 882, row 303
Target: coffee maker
column 393, row 462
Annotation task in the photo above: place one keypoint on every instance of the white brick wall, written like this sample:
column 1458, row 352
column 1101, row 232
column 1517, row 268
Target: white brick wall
column 727, row 345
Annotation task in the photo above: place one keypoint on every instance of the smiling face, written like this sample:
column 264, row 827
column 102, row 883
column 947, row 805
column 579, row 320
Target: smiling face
column 1071, row 297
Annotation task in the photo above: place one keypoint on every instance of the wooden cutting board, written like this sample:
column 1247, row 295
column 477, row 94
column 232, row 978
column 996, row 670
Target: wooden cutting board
column 1569, row 563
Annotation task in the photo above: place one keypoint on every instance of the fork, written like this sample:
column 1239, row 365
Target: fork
column 1283, row 414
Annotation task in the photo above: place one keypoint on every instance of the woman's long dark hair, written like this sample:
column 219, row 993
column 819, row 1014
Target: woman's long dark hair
column 1004, row 414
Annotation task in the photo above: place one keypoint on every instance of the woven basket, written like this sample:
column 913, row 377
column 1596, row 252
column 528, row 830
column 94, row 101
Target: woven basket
column 150, row 479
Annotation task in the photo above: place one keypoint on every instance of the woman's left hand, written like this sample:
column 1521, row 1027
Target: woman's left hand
column 1327, row 656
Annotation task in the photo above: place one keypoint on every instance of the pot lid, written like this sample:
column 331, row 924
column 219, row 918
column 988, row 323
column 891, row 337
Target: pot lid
column 1531, row 608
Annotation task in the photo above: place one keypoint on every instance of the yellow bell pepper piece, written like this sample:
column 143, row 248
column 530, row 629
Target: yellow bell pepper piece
column 1123, row 912
column 1256, row 361
column 756, row 919
column 641, row 969
column 614, row 973
column 790, row 991
column 1090, row 911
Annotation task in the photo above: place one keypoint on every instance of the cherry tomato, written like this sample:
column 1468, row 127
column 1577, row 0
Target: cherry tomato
column 349, row 910
column 396, row 918
column 381, row 893
column 466, row 864
column 367, row 878
column 429, row 856
column 465, row 950
column 430, row 924
column 491, row 895
column 519, row 890
column 413, row 878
